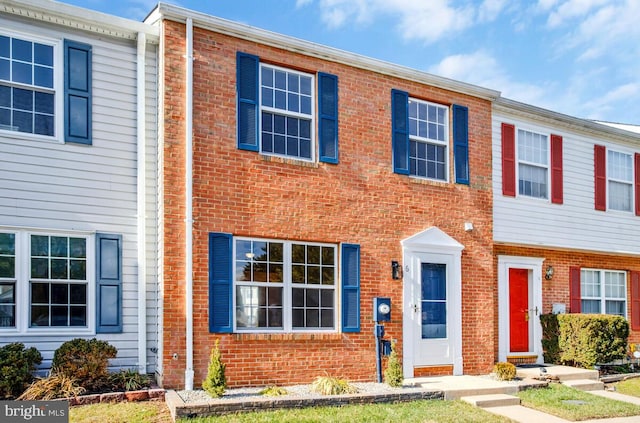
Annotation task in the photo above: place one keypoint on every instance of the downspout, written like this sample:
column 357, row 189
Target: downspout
column 142, row 208
column 188, row 374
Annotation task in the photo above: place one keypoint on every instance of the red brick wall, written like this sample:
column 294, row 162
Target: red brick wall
column 360, row 200
column 556, row 290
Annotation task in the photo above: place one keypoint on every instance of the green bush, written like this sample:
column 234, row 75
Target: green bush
column 504, row 370
column 129, row 380
column 16, row 367
column 216, row 382
column 393, row 373
column 85, row 361
column 550, row 332
column 587, row 339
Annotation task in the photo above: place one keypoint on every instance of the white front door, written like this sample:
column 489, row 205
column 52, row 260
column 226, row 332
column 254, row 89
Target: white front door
column 432, row 327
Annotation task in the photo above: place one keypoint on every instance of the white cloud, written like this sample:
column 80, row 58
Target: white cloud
column 573, row 9
column 611, row 101
column 302, row 3
column 490, row 10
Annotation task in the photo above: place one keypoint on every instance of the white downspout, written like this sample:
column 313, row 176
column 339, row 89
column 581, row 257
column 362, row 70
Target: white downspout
column 188, row 374
column 142, row 208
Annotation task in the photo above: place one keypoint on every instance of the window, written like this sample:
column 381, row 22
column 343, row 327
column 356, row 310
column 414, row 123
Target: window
column 284, row 286
column 603, row 291
column 429, row 137
column 56, row 282
column 27, row 95
column 533, row 164
column 620, row 180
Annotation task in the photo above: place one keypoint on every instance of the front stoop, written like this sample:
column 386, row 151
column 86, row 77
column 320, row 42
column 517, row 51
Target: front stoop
column 559, row 373
column 585, row 384
column 495, row 400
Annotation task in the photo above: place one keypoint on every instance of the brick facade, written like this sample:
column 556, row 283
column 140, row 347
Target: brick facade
column 360, row 200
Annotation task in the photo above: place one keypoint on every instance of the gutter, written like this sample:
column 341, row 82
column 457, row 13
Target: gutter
column 188, row 373
column 142, row 207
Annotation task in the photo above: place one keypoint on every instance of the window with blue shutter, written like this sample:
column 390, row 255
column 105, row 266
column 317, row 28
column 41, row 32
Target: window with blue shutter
column 77, row 92
column 350, row 287
column 247, row 86
column 461, row 143
column 220, row 283
column 109, row 283
column 400, row 131
column 328, row 117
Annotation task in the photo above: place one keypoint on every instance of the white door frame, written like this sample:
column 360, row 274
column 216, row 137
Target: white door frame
column 534, row 264
column 436, row 246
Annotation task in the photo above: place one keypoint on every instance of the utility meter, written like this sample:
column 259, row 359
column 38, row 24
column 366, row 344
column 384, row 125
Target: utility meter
column 382, row 309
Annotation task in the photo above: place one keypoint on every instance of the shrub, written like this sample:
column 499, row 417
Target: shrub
column 393, row 373
column 273, row 391
column 129, row 380
column 504, row 371
column 550, row 332
column 587, row 339
column 86, row 361
column 216, row 382
column 16, row 367
column 56, row 385
column 327, row 385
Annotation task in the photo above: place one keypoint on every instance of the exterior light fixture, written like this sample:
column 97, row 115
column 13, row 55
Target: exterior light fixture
column 395, row 270
column 548, row 274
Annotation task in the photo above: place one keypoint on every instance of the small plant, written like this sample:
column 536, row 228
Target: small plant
column 216, row 382
column 273, row 391
column 129, row 380
column 16, row 367
column 86, row 361
column 327, row 385
column 504, row 371
column 393, row 373
column 56, row 385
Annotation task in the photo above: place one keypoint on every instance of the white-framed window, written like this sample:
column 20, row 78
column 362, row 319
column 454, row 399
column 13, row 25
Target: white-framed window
column 428, row 140
column 284, row 285
column 603, row 291
column 30, row 85
column 620, row 180
column 533, row 164
column 46, row 282
column 286, row 113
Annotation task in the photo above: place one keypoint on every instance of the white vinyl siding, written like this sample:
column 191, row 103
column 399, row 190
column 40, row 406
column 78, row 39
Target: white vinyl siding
column 89, row 189
column 575, row 224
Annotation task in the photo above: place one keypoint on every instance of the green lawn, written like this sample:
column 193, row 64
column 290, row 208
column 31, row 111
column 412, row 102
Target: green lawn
column 123, row 412
column 629, row 387
column 572, row 404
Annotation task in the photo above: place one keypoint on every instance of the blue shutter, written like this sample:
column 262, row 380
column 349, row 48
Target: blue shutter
column 400, row 130
column 77, row 92
column 350, row 288
column 461, row 143
column 220, row 284
column 328, row 117
column 247, row 87
column 108, row 283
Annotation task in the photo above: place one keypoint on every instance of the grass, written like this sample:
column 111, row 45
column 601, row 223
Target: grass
column 629, row 387
column 123, row 412
column 552, row 400
column 427, row 411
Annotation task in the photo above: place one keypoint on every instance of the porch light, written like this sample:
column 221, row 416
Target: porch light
column 548, row 274
column 395, row 270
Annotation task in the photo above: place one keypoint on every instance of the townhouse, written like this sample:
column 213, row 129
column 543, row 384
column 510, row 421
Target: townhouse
column 78, row 147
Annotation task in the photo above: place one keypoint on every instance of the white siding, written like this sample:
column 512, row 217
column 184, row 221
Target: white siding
column 52, row 185
column 575, row 224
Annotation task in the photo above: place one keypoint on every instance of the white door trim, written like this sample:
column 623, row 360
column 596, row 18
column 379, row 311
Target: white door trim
column 431, row 244
column 535, row 265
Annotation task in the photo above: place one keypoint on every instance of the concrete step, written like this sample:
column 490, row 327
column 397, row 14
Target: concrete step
column 494, row 400
column 585, row 384
column 560, row 373
column 457, row 393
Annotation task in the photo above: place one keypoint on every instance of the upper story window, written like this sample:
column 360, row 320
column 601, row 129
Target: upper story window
column 429, row 138
column 603, row 291
column 27, row 94
column 620, row 180
column 286, row 99
column 280, row 110
column 533, row 164
column 285, row 286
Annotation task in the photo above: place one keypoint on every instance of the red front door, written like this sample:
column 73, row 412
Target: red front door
column 518, row 310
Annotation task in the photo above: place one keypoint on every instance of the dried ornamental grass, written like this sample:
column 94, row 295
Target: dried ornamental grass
column 327, row 385
column 57, row 385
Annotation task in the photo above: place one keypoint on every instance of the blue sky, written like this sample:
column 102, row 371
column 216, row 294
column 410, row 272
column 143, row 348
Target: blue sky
column 579, row 57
